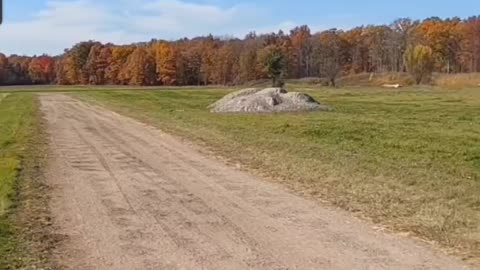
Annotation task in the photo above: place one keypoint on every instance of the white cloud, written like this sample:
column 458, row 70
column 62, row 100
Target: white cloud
column 64, row 23
column 59, row 26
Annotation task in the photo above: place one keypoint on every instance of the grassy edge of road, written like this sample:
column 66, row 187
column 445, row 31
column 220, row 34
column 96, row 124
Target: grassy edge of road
column 25, row 241
column 333, row 157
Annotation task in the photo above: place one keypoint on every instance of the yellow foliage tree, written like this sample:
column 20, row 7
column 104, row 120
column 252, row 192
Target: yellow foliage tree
column 419, row 62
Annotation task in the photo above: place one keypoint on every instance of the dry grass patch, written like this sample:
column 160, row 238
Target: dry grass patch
column 457, row 80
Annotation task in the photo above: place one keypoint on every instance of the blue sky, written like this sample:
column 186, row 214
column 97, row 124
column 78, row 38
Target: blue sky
column 48, row 26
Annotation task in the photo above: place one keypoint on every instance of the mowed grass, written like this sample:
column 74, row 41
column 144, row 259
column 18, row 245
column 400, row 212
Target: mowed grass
column 408, row 159
column 3, row 95
column 16, row 124
column 16, row 113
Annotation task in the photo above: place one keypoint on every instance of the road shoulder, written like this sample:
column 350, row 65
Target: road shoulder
column 28, row 237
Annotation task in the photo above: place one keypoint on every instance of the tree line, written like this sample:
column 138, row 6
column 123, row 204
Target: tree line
column 442, row 45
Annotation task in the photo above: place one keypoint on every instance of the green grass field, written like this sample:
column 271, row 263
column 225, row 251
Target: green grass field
column 16, row 113
column 407, row 159
column 3, row 95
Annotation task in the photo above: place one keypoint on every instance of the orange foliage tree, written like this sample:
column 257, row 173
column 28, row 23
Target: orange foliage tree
column 455, row 45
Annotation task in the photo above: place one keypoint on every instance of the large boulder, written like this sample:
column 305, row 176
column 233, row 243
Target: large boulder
column 256, row 100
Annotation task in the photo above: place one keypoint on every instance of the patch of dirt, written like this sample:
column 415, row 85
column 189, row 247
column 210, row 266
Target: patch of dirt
column 129, row 196
column 256, row 100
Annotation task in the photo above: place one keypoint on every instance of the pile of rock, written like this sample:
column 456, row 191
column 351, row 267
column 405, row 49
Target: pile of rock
column 256, row 100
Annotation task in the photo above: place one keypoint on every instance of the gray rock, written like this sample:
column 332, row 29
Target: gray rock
column 255, row 100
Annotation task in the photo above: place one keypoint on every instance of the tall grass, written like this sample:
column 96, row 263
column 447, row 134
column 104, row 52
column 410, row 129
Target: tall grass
column 460, row 80
column 376, row 79
column 457, row 80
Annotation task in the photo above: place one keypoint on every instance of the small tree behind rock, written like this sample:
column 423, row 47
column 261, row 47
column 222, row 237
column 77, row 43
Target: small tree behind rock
column 275, row 66
column 419, row 62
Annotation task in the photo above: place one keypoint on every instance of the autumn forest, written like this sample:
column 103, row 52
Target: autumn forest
column 454, row 45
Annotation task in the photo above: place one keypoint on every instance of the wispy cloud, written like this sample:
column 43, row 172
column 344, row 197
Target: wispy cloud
column 62, row 23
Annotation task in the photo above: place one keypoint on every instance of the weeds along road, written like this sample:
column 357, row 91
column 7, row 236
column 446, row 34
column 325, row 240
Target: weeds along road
column 128, row 196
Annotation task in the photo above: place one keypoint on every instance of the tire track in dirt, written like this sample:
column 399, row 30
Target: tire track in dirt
column 129, row 196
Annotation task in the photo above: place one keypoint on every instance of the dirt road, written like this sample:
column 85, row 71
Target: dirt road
column 131, row 197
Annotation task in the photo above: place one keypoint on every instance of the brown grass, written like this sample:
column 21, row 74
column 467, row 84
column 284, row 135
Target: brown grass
column 460, row 80
column 376, row 79
column 457, row 80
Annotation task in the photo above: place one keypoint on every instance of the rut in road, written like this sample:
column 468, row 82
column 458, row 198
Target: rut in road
column 129, row 196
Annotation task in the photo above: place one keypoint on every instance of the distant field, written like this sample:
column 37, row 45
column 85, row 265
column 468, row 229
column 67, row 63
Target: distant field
column 78, row 88
column 407, row 159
